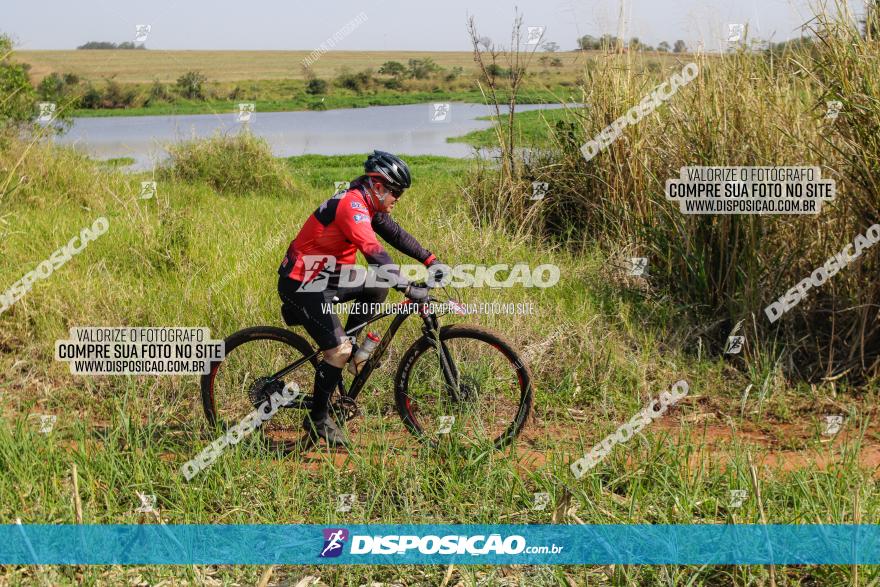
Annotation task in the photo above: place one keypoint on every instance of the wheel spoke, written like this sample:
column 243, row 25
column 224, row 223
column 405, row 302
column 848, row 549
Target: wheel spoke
column 242, row 383
column 487, row 409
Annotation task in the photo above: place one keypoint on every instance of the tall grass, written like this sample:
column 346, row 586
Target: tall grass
column 593, row 355
column 743, row 109
column 236, row 164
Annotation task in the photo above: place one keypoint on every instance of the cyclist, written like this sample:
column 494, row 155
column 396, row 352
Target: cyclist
column 309, row 274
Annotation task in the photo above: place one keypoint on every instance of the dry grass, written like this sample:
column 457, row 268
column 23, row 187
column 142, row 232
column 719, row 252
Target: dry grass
column 130, row 66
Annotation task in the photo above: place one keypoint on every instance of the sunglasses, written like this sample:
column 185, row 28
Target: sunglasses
column 395, row 193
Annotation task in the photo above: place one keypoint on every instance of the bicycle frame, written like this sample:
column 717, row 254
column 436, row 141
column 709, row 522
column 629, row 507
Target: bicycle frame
column 430, row 328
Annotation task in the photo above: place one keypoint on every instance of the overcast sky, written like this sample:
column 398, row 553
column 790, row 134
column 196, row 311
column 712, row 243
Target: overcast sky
column 390, row 24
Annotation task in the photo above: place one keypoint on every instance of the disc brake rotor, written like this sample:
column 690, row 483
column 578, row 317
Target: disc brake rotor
column 262, row 389
column 468, row 389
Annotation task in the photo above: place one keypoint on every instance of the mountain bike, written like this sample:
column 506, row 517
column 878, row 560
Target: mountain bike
column 459, row 380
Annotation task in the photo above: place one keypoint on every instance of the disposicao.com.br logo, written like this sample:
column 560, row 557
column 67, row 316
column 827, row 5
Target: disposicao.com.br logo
column 334, row 541
column 476, row 545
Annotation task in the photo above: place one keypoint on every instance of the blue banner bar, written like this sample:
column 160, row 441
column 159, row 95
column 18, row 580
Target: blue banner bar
column 440, row 544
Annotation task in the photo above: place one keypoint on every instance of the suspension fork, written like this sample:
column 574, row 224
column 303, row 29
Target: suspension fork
column 431, row 330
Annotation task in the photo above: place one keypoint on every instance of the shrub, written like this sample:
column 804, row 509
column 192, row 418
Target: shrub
column 190, row 85
column 236, row 93
column 393, row 84
column 422, row 68
column 17, row 104
column 316, row 86
column 356, row 82
column 51, row 88
column 234, row 164
column 158, row 93
column 91, row 98
column 395, row 69
column 495, row 70
column 115, row 96
column 454, row 74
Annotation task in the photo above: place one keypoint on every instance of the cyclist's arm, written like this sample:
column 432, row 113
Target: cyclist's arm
column 400, row 239
column 355, row 225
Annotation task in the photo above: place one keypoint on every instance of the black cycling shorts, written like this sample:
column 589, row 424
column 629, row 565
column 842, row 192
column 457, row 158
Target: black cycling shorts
column 312, row 307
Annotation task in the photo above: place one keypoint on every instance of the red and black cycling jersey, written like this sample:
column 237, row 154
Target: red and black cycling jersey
column 339, row 228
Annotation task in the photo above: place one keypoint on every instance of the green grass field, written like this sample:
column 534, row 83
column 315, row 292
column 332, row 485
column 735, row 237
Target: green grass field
column 599, row 343
column 339, row 99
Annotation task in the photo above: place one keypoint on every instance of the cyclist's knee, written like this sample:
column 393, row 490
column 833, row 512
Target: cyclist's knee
column 374, row 295
column 338, row 356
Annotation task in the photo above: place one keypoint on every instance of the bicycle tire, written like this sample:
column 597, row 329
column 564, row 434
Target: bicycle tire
column 236, row 340
column 403, row 400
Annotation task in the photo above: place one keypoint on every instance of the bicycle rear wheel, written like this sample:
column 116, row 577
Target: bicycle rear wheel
column 238, row 384
column 489, row 401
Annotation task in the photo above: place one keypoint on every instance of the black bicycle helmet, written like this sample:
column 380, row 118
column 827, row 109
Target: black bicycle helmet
column 391, row 168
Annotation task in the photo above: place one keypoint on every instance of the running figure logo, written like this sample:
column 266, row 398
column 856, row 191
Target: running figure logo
column 334, row 540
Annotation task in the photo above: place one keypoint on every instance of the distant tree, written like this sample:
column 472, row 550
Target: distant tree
column 98, row 45
column 550, row 47
column 679, row 47
column 395, row 69
column 799, row 43
column 588, row 43
column 608, row 42
column 591, row 43
column 663, row 47
column 422, row 68
column 189, row 85
column 110, row 45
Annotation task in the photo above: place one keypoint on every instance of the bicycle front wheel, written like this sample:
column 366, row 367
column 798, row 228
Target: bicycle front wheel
column 482, row 396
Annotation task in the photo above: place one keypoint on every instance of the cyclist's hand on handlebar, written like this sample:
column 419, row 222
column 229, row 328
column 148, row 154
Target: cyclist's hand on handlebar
column 436, row 271
column 417, row 292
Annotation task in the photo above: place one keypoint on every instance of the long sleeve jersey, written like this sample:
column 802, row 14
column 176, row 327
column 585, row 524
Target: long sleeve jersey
column 339, row 228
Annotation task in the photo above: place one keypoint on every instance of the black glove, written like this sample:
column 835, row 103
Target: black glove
column 416, row 292
column 436, row 275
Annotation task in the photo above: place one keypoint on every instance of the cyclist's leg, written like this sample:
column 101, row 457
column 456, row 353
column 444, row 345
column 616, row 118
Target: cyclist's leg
column 367, row 300
column 324, row 327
